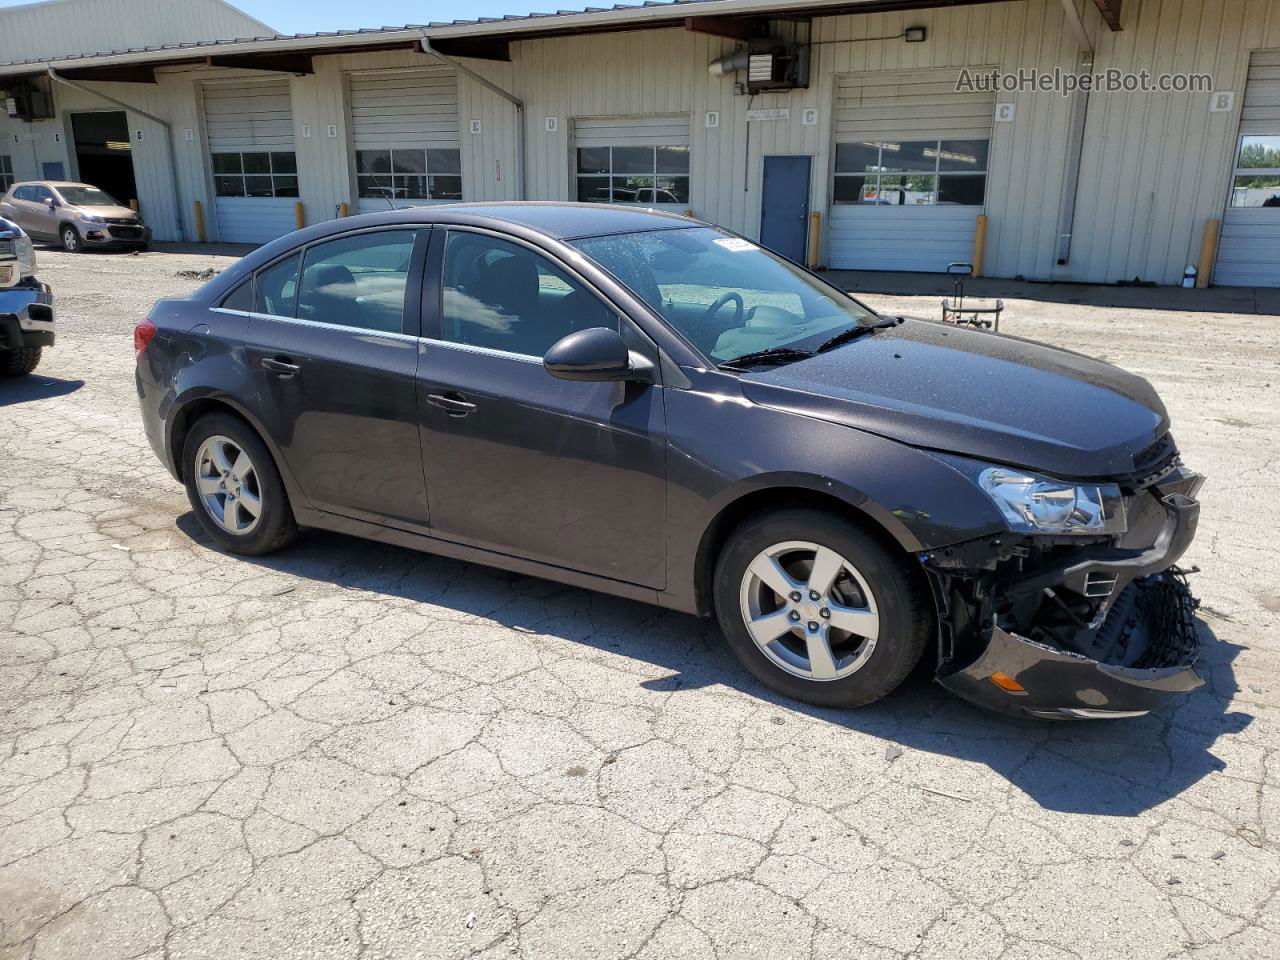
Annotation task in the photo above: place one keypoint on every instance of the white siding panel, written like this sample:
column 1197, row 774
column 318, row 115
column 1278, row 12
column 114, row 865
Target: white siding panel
column 1249, row 252
column 242, row 116
column 920, row 239
column 254, row 219
column 416, row 109
column 631, row 131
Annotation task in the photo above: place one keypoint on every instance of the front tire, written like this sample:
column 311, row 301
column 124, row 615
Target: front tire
column 235, row 488
column 20, row 362
column 70, row 237
column 818, row 609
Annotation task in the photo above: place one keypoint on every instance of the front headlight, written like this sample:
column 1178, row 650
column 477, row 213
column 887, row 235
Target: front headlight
column 1035, row 504
column 92, row 218
column 26, row 252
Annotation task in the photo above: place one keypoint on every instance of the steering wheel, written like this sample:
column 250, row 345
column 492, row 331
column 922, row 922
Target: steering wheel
column 719, row 305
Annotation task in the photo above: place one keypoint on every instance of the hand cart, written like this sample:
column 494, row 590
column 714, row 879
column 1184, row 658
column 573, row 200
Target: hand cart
column 955, row 311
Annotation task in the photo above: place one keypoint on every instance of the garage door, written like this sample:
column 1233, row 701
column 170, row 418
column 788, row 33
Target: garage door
column 1249, row 255
column 910, row 170
column 632, row 160
column 404, row 128
column 255, row 170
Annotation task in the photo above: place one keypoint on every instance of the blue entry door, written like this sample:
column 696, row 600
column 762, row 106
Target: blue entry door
column 784, row 208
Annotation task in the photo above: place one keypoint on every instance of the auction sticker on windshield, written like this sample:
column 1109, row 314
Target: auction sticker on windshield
column 735, row 244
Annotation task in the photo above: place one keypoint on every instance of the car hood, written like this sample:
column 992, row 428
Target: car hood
column 988, row 396
column 114, row 213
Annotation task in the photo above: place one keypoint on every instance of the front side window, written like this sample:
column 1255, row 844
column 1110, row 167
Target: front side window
column 644, row 175
column 727, row 296
column 1257, row 174
column 358, row 281
column 43, row 195
column 6, row 172
column 504, row 296
column 409, row 174
column 256, row 174
column 912, row 173
column 276, row 288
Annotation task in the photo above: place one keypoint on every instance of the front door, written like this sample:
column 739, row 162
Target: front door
column 784, row 212
column 334, row 353
column 567, row 473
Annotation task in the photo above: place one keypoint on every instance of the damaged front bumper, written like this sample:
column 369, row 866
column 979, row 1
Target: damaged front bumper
column 1057, row 630
column 26, row 316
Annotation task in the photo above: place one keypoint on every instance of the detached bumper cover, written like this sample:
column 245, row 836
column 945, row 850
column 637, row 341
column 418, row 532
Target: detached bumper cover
column 26, row 316
column 1156, row 614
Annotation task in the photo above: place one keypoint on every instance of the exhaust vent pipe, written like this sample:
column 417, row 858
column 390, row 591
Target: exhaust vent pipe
column 733, row 63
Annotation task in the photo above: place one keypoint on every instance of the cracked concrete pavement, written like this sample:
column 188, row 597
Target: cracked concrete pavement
column 350, row 750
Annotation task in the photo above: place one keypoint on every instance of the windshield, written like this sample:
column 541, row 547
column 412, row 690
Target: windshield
column 726, row 295
column 86, row 197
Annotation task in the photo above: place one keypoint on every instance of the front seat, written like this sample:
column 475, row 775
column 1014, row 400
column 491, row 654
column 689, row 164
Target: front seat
column 329, row 295
column 511, row 286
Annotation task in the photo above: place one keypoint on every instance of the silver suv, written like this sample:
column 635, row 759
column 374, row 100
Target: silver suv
column 76, row 215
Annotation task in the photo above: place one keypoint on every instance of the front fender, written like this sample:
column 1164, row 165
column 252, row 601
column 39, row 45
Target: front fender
column 919, row 500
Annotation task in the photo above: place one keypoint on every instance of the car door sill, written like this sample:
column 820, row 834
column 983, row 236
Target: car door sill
column 447, row 548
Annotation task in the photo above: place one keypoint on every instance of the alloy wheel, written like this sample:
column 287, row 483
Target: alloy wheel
column 227, row 482
column 70, row 240
column 809, row 610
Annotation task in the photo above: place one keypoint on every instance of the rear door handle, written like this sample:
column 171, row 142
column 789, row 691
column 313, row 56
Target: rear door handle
column 282, row 367
column 455, row 404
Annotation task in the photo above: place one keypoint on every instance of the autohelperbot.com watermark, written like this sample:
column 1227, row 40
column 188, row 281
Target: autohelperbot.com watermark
column 1067, row 82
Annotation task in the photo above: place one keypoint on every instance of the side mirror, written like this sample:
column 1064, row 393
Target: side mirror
column 53, row 203
column 596, row 354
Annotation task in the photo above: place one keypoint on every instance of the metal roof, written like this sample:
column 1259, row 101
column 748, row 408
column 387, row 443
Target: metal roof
column 511, row 27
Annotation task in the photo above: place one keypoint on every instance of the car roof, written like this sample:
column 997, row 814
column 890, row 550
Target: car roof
column 563, row 221
column 53, row 183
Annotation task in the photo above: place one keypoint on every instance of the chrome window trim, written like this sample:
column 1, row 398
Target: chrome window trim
column 314, row 324
column 486, row 351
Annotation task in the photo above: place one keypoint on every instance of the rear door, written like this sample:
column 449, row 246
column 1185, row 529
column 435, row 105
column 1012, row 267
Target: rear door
column 517, row 461
column 333, row 349
column 44, row 220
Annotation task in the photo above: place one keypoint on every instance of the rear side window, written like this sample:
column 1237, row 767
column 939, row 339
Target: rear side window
column 277, row 288
column 358, row 281
column 241, row 298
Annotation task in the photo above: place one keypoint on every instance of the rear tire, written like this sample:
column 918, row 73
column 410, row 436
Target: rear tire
column 20, row 362
column 818, row 609
column 235, row 488
column 70, row 237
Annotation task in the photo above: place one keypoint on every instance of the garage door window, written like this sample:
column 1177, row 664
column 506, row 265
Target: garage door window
column 409, row 174
column 910, row 173
column 6, row 172
column 255, row 174
column 1257, row 174
column 650, row 174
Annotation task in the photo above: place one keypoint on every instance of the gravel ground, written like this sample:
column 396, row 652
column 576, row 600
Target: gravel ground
column 351, row 750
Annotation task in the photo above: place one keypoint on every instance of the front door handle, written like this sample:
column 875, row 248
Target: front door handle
column 282, row 367
column 455, row 404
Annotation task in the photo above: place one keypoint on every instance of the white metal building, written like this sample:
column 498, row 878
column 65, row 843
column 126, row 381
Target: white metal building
column 857, row 118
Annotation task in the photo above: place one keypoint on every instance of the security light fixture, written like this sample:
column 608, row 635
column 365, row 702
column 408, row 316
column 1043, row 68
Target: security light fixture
column 916, row 34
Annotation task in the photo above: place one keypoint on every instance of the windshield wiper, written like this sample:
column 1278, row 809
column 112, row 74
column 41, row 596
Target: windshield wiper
column 853, row 333
column 772, row 355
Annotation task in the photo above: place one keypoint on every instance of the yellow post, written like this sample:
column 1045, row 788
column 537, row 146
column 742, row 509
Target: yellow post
column 200, row 222
column 342, row 210
column 815, row 239
column 133, row 205
column 1208, row 253
column 980, row 245
column 299, row 215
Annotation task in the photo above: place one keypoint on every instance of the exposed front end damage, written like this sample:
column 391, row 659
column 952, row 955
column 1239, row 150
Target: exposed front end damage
column 1083, row 627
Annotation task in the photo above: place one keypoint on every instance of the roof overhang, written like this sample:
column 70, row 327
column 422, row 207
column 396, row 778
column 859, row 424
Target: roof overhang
column 485, row 39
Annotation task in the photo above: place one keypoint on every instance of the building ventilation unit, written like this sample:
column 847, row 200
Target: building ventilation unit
column 774, row 59
column 29, row 98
